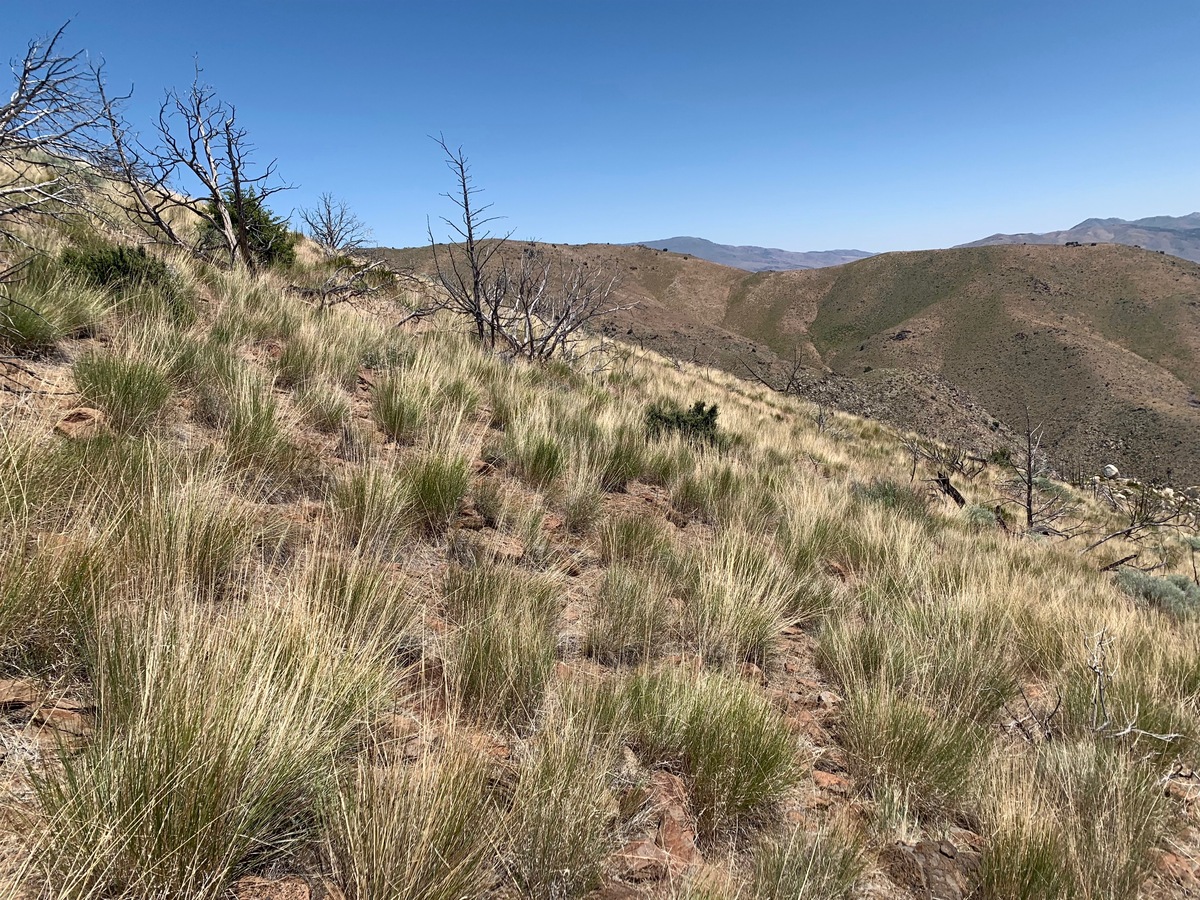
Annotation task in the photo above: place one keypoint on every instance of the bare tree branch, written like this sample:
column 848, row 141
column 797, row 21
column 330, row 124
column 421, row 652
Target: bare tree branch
column 334, row 226
column 198, row 165
column 536, row 306
column 52, row 135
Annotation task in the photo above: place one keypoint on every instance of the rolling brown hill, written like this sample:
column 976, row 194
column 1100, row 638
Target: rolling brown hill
column 1100, row 343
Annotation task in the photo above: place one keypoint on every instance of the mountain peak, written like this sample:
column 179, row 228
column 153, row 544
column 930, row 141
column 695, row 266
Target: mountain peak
column 754, row 259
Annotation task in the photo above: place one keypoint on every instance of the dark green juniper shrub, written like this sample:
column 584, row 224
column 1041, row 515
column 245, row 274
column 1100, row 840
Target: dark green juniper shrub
column 270, row 241
column 105, row 264
column 697, row 424
column 148, row 284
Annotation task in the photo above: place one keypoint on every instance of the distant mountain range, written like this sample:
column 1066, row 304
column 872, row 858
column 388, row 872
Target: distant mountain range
column 1176, row 235
column 754, row 259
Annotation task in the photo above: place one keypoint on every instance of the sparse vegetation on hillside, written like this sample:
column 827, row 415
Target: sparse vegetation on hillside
column 292, row 592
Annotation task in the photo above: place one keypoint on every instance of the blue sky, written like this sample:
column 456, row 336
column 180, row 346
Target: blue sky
column 873, row 125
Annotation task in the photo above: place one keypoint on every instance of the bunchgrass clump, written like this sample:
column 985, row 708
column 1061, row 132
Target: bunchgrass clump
column 399, row 407
column 371, row 509
column 360, row 598
column 323, row 407
column 738, row 599
column 582, row 501
column 1078, row 819
column 559, row 828
column 819, row 866
column 632, row 617
column 634, row 538
column 736, row 753
column 131, row 392
column 895, row 745
column 501, row 664
column 38, row 312
column 420, row 831
column 188, row 540
column 213, row 748
column 256, row 436
column 953, row 658
column 435, row 485
column 536, row 457
column 504, row 649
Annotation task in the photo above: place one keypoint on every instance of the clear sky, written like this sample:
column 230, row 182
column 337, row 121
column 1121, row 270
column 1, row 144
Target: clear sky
column 881, row 125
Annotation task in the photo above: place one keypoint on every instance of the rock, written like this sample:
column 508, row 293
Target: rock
column 837, row 571
column 644, row 860
column 81, row 423
column 55, row 726
column 486, row 745
column 616, row 890
column 253, row 888
column 828, row 700
column 933, row 870
column 18, row 692
column 1186, row 792
column 751, row 672
column 827, row 781
column 1110, row 471
column 289, row 887
column 1179, row 870
column 486, row 546
column 676, row 833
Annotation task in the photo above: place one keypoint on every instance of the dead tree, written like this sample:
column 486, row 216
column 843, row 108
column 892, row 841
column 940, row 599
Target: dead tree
column 944, row 457
column 334, row 226
column 52, row 135
column 1143, row 514
column 787, row 379
column 461, row 268
column 197, row 170
column 1047, row 509
column 527, row 303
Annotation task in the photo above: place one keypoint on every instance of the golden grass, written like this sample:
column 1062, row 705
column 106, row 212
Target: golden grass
column 254, row 583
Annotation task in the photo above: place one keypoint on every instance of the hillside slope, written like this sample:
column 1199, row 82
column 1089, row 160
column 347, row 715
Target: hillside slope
column 1101, row 344
column 1177, row 235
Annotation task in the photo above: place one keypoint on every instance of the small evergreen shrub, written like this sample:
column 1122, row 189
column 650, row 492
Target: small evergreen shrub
column 698, row 424
column 979, row 517
column 1176, row 595
column 106, row 264
column 271, row 243
column 148, row 283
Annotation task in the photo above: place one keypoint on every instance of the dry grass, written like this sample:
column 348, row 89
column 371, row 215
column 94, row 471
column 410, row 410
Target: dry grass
column 264, row 564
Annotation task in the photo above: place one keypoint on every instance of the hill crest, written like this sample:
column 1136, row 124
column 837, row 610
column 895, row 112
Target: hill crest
column 754, row 259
